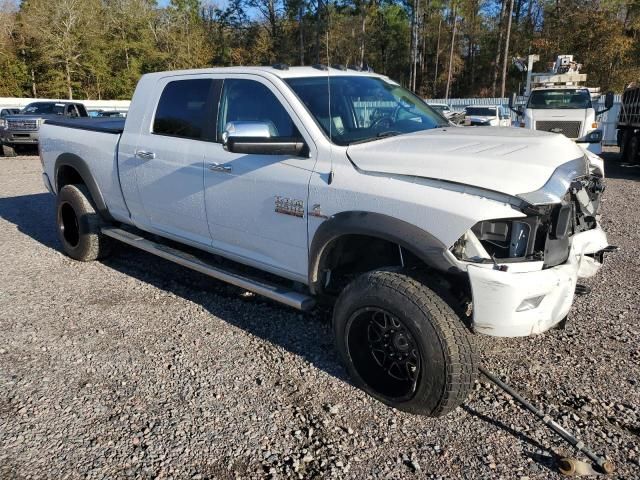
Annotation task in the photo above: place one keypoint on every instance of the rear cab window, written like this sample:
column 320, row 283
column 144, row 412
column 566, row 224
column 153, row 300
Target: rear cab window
column 187, row 109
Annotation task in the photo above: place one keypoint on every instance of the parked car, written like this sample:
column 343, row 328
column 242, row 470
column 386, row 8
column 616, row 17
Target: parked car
column 5, row 112
column 487, row 116
column 442, row 108
column 342, row 188
column 21, row 129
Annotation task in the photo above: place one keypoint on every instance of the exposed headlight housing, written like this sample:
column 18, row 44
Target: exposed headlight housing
column 504, row 239
column 544, row 234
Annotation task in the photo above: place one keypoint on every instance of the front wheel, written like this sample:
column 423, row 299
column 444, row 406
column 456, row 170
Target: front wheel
column 403, row 344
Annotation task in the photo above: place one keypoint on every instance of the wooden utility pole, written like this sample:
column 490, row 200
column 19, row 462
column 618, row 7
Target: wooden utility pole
column 453, row 42
column 505, row 60
column 301, row 38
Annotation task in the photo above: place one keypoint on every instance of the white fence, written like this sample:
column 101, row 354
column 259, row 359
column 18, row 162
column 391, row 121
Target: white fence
column 608, row 120
column 119, row 105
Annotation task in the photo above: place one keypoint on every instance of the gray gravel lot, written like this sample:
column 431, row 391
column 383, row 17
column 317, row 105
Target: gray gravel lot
column 135, row 367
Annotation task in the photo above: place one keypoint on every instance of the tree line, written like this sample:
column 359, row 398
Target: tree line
column 455, row 48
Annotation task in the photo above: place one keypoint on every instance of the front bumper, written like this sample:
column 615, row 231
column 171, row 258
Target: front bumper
column 498, row 295
column 9, row 137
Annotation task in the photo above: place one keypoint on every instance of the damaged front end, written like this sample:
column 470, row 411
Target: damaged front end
column 545, row 233
column 523, row 271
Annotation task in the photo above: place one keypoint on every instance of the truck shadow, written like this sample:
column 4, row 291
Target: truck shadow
column 619, row 170
column 33, row 215
column 307, row 335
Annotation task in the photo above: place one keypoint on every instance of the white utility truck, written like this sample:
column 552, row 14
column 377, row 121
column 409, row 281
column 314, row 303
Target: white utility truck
column 325, row 185
column 557, row 101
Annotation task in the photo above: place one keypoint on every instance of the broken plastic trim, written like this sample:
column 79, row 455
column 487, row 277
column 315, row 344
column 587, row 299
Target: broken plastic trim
column 558, row 184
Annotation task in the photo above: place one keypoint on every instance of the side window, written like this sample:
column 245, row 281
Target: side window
column 183, row 109
column 71, row 111
column 82, row 112
column 248, row 100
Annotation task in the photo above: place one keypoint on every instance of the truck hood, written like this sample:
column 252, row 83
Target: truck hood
column 507, row 160
column 19, row 117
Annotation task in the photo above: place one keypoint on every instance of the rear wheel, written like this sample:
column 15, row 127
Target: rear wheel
column 632, row 149
column 403, row 344
column 78, row 225
column 8, row 151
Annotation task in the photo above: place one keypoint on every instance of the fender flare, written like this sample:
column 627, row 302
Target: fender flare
column 80, row 166
column 414, row 239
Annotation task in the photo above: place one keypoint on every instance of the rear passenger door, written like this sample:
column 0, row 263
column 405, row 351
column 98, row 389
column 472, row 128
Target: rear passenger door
column 169, row 157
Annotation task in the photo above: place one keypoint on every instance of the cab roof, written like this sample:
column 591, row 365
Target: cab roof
column 277, row 71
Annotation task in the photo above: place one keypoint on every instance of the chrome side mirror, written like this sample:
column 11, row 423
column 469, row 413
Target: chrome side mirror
column 246, row 129
column 260, row 138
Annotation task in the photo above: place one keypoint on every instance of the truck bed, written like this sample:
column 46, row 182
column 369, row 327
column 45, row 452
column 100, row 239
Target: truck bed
column 94, row 143
column 105, row 125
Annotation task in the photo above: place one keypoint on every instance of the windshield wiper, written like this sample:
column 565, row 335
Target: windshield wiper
column 379, row 135
column 388, row 133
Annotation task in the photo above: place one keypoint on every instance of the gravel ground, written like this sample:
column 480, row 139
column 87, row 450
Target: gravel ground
column 135, row 367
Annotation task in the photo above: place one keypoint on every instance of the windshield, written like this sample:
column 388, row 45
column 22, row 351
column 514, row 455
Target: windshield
column 565, row 98
column 363, row 108
column 42, row 108
column 481, row 111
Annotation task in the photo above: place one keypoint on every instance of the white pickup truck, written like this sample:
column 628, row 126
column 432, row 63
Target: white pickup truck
column 309, row 184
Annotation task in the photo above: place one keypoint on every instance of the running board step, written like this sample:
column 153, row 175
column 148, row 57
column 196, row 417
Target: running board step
column 274, row 292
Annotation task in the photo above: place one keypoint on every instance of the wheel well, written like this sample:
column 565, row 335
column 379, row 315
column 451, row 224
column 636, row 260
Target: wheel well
column 350, row 255
column 68, row 175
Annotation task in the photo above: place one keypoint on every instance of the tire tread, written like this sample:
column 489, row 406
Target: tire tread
column 461, row 354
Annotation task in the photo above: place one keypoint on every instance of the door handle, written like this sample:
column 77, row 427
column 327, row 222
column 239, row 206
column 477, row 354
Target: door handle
column 145, row 155
column 220, row 167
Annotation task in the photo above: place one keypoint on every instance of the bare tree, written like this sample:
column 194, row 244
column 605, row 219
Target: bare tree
column 57, row 30
column 454, row 14
column 437, row 62
column 496, row 65
column 505, row 60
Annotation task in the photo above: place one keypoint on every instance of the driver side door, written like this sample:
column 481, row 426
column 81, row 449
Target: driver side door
column 256, row 204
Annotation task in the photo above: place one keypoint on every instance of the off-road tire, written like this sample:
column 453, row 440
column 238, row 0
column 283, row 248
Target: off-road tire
column 8, row 151
column 448, row 355
column 78, row 225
